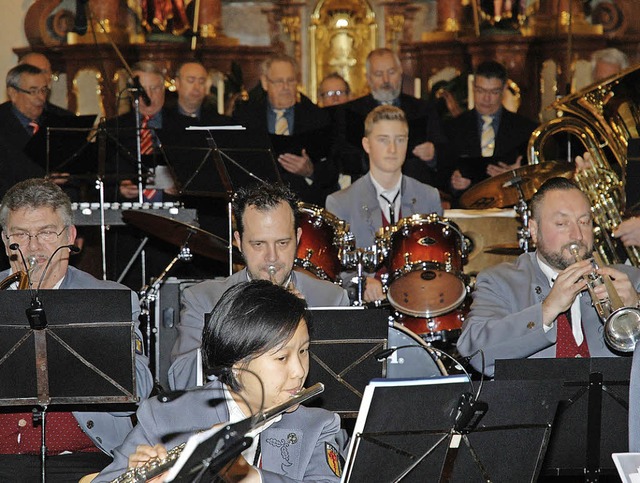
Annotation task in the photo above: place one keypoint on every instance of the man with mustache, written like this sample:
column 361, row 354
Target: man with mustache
column 267, row 234
column 538, row 306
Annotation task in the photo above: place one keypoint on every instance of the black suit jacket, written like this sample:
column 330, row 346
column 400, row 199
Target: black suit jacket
column 424, row 125
column 464, row 139
column 311, row 130
column 15, row 164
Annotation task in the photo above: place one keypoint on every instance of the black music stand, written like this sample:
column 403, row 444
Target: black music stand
column 345, row 341
column 84, row 355
column 592, row 421
column 406, row 423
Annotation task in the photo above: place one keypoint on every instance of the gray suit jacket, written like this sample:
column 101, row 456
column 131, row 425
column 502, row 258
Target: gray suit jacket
column 358, row 205
column 634, row 403
column 293, row 449
column 107, row 430
column 505, row 320
column 200, row 299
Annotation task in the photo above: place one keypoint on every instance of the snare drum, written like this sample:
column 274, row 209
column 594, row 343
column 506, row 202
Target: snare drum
column 424, row 261
column 324, row 237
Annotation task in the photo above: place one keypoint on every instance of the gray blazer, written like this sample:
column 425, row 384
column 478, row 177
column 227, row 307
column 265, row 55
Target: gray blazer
column 634, row 403
column 200, row 299
column 293, row 449
column 107, row 430
column 505, row 320
column 358, row 205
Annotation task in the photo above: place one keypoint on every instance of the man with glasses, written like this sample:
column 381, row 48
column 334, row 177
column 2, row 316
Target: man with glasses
column 333, row 91
column 36, row 215
column 23, row 115
column 426, row 139
column 487, row 131
column 299, row 131
column 40, row 61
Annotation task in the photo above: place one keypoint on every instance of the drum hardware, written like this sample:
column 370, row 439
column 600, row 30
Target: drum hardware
column 621, row 324
column 522, row 209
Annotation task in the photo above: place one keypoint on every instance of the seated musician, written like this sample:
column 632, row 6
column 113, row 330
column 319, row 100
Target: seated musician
column 267, row 234
column 256, row 342
column 385, row 195
column 36, row 216
column 537, row 306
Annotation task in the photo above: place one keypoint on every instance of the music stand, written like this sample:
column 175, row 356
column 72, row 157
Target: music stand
column 596, row 395
column 84, row 355
column 345, row 341
column 405, row 423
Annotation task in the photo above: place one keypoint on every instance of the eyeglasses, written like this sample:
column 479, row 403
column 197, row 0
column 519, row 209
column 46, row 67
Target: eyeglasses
column 491, row 92
column 333, row 93
column 44, row 236
column 282, row 82
column 34, row 91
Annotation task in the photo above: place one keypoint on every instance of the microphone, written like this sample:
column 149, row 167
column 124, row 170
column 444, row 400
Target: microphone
column 80, row 23
column 35, row 313
column 137, row 87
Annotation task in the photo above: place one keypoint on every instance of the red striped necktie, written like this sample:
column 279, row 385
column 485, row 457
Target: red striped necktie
column 146, row 147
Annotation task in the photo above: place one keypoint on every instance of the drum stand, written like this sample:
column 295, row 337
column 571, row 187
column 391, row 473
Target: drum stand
column 149, row 294
column 522, row 209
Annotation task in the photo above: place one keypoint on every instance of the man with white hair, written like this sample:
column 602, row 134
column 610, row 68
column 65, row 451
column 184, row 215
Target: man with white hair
column 607, row 62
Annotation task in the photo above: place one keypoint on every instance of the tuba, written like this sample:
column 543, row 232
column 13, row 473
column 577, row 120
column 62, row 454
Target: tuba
column 603, row 116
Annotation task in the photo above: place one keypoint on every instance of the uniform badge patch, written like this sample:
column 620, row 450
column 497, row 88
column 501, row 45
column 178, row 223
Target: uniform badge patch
column 139, row 345
column 333, row 459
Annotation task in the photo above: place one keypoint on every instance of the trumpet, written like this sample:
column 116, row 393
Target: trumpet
column 621, row 324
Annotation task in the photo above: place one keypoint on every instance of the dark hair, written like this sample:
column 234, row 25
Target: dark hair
column 249, row 320
column 264, row 197
column 492, row 70
column 36, row 193
column 552, row 184
column 335, row 75
column 15, row 74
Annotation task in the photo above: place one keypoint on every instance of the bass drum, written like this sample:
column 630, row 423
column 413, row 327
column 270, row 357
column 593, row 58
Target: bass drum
column 414, row 361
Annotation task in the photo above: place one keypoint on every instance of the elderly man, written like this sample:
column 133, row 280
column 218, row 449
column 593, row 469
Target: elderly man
column 36, row 215
column 21, row 117
column 267, row 234
column 298, row 130
column 535, row 307
column 607, row 62
column 487, row 131
column 41, row 62
column 385, row 195
column 426, row 139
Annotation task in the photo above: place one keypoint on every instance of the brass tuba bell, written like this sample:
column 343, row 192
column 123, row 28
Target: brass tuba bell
column 603, row 116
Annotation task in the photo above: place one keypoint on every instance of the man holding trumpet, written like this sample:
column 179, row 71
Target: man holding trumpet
column 539, row 305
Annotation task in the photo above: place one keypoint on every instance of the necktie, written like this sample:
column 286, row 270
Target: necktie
column 35, row 127
column 146, row 147
column 282, row 125
column 488, row 138
column 146, row 140
column 392, row 207
column 565, row 341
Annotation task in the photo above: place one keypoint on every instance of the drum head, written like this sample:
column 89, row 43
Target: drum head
column 426, row 293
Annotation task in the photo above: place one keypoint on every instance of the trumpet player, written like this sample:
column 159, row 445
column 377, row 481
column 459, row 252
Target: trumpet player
column 538, row 306
column 267, row 234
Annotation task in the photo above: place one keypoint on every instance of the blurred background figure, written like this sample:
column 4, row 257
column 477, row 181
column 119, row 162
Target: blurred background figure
column 333, row 91
column 608, row 62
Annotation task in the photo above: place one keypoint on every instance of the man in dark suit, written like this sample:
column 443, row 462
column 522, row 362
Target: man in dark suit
column 298, row 130
column 487, row 131
column 426, row 139
column 24, row 114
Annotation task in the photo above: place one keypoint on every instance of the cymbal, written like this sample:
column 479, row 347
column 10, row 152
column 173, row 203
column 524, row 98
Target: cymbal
column 500, row 192
column 503, row 249
column 177, row 233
